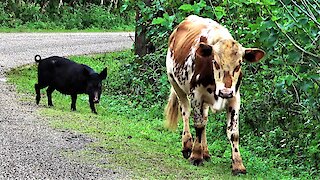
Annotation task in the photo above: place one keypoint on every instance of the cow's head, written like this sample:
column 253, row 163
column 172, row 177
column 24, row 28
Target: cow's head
column 227, row 57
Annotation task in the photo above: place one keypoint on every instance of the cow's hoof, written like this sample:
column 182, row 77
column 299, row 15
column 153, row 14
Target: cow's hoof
column 186, row 153
column 206, row 157
column 236, row 172
column 196, row 162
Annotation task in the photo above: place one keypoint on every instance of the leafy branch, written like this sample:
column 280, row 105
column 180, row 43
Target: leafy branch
column 308, row 13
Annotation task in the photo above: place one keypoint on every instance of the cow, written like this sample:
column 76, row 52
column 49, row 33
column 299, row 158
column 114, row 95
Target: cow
column 68, row 77
column 204, row 69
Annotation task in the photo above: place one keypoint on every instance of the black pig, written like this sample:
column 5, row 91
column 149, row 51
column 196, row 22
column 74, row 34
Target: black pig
column 69, row 78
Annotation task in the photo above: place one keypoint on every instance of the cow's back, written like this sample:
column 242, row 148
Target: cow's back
column 190, row 32
column 182, row 47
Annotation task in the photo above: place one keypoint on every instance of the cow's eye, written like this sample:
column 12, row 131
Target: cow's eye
column 236, row 69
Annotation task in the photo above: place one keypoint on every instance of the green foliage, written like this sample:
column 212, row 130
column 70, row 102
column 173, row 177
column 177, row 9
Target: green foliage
column 280, row 95
column 79, row 16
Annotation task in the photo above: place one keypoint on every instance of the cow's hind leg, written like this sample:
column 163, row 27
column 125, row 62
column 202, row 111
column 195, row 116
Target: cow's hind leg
column 233, row 135
column 185, row 112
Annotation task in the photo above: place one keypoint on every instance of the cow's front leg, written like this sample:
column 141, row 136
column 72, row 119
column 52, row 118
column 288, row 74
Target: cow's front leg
column 206, row 154
column 186, row 134
column 233, row 134
column 200, row 122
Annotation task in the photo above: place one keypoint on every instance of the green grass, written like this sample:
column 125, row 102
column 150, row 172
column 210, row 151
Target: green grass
column 132, row 137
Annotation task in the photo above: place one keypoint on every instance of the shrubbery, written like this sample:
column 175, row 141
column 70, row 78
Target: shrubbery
column 280, row 111
column 78, row 16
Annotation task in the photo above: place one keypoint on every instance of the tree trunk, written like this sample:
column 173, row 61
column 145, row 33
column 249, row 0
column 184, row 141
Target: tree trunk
column 141, row 42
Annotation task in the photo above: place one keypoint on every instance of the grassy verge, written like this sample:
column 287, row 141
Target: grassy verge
column 131, row 136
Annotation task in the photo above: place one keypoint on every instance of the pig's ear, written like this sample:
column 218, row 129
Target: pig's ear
column 103, row 74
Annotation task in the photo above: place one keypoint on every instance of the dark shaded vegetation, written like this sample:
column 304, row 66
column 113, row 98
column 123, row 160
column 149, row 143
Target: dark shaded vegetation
column 70, row 15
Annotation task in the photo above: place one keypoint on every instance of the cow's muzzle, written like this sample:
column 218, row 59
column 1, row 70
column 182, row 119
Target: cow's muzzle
column 225, row 93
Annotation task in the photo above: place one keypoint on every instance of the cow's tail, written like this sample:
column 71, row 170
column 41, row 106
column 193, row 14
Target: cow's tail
column 37, row 58
column 172, row 111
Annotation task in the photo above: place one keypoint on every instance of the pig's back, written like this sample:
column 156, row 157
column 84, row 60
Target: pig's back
column 64, row 75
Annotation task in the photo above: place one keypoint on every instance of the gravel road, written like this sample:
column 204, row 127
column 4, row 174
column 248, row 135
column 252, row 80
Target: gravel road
column 29, row 148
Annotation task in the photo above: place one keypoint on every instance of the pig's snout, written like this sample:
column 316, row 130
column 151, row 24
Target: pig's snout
column 95, row 100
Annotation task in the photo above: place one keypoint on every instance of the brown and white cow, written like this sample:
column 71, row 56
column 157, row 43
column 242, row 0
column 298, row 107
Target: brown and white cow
column 204, row 69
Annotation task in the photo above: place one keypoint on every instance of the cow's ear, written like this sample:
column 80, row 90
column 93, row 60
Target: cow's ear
column 103, row 74
column 253, row 54
column 204, row 50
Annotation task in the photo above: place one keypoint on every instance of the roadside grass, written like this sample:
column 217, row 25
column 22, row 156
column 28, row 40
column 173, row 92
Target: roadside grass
column 131, row 137
column 34, row 30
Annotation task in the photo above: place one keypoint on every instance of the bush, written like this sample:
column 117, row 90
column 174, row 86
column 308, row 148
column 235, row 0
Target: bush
column 79, row 16
column 280, row 96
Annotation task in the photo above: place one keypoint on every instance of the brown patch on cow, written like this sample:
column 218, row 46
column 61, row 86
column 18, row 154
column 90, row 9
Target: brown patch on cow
column 204, row 39
column 227, row 79
column 217, row 66
column 209, row 90
column 234, row 137
column 203, row 67
column 239, row 82
column 183, row 38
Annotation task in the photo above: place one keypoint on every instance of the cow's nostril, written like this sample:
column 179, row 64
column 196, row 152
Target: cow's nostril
column 225, row 94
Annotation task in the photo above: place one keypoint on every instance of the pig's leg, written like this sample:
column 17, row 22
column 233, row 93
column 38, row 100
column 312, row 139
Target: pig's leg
column 37, row 88
column 73, row 101
column 93, row 109
column 49, row 93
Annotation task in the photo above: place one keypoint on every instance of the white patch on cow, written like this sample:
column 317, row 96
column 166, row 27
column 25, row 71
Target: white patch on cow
column 219, row 104
column 169, row 62
column 197, row 77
